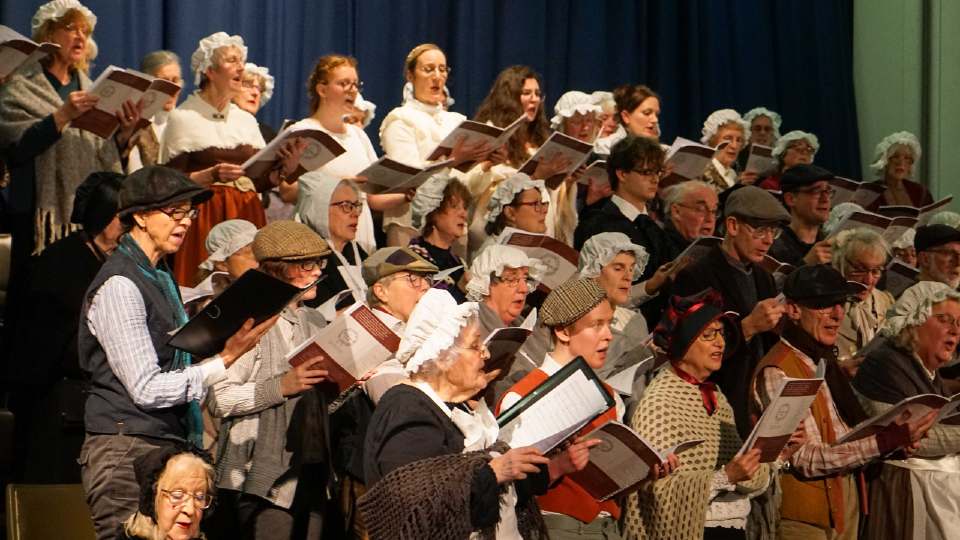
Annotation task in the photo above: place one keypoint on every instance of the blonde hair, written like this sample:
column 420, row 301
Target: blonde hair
column 73, row 15
column 321, row 71
column 410, row 63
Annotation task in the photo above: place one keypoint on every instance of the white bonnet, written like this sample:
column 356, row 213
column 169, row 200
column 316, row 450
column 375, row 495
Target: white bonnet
column 915, row 305
column 226, row 238
column 775, row 118
column 602, row 248
column 885, row 148
column 507, row 190
column 202, row 58
column 428, row 198
column 905, row 241
column 839, row 213
column 795, row 135
column 368, row 108
column 268, row 81
column 945, row 217
column 58, row 8
column 604, row 99
column 432, row 328
column 493, row 260
column 313, row 200
column 571, row 103
column 720, row 118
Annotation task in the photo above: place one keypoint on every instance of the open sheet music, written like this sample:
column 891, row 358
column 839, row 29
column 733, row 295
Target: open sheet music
column 18, row 50
column 559, row 259
column 556, row 410
column 690, row 159
column 474, row 133
column 773, row 266
column 760, row 160
column 114, row 87
column 699, row 248
column 387, row 175
column 900, row 277
column 781, row 417
column 349, row 347
column 575, row 150
column 907, row 409
column 321, row 148
column 504, row 344
column 622, row 461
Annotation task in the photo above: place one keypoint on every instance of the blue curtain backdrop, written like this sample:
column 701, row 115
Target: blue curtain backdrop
column 793, row 56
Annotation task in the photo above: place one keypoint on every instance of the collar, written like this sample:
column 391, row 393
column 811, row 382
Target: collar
column 746, row 268
column 930, row 374
column 728, row 175
column 418, row 105
column 393, row 323
column 549, row 365
column 207, row 110
column 708, row 389
column 627, row 208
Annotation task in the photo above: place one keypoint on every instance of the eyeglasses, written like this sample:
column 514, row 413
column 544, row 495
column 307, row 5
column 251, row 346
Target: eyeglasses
column 431, row 69
column 817, row 193
column 538, row 205
column 347, row 85
column 762, row 231
column 948, row 254
column 349, row 207
column 700, row 208
column 947, row 320
column 73, row 28
column 177, row 214
column 711, row 334
column 415, row 280
column 514, row 282
column 313, row 264
column 250, row 83
column 648, row 172
column 179, row 497
column 801, row 148
column 857, row 270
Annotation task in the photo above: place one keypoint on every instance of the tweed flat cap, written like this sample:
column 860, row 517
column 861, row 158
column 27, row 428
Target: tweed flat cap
column 288, row 241
column 754, row 203
column 390, row 260
column 569, row 302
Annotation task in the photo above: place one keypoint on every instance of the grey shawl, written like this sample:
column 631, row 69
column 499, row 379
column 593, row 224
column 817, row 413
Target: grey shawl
column 26, row 99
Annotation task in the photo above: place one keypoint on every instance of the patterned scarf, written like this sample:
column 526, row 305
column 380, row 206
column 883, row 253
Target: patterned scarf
column 160, row 276
column 708, row 390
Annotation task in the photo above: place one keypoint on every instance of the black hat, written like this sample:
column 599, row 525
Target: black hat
column 931, row 236
column 820, row 286
column 157, row 187
column 95, row 202
column 148, row 467
column 800, row 176
column 685, row 319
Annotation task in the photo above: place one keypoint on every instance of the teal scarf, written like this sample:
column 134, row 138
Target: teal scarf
column 160, row 276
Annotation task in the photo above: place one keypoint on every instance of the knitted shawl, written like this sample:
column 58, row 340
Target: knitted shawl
column 430, row 498
column 26, row 99
column 670, row 412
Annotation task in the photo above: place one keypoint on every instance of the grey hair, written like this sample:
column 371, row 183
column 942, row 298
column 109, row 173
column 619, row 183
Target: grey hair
column 153, row 61
column 677, row 192
column 445, row 358
column 859, row 240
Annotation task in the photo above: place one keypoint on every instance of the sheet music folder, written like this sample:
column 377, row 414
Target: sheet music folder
column 255, row 295
column 578, row 365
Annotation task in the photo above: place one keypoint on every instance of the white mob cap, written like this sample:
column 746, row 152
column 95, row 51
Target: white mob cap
column 889, row 143
column 720, row 118
column 52, row 11
column 774, row 117
column 507, row 190
column 796, row 135
column 915, row 305
column 571, row 103
column 428, row 198
column 268, row 82
column 600, row 249
column 202, row 58
column 368, row 108
column 432, row 328
column 227, row 238
column 492, row 261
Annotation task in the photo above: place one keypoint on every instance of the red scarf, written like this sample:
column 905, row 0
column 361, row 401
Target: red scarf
column 708, row 390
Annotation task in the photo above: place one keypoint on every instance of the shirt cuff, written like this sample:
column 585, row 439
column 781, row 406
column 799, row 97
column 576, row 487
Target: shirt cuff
column 212, row 370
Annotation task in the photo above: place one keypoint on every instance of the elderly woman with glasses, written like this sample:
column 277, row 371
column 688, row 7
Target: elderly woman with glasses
column 518, row 203
column 861, row 255
column 332, row 209
column 909, row 499
column 176, row 488
column 795, row 148
column 725, row 126
column 271, row 460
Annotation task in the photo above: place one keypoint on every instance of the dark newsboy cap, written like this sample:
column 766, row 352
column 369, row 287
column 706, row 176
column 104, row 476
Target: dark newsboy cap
column 156, row 187
column 800, row 176
column 820, row 286
column 932, row 236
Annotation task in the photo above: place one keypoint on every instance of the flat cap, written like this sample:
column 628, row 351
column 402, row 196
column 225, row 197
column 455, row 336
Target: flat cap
column 569, row 302
column 754, row 203
column 931, row 236
column 800, row 176
column 390, row 260
column 820, row 286
column 156, row 187
column 288, row 241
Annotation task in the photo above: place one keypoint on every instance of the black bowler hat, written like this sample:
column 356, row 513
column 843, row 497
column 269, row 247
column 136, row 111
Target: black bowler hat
column 685, row 319
column 931, row 236
column 820, row 286
column 156, row 187
column 800, row 176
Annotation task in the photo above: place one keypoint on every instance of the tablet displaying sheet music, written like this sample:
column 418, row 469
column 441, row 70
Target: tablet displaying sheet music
column 558, row 408
column 255, row 295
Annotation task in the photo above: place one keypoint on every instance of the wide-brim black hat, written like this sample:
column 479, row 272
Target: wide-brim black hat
column 820, row 286
column 157, row 187
column 686, row 317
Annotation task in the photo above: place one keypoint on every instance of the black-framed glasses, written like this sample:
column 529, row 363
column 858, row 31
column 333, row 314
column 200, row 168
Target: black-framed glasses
column 312, row 264
column 349, row 207
column 178, row 214
column 515, row 281
column 802, row 148
column 828, row 191
column 762, row 231
column 415, row 280
column 347, row 85
column 711, row 334
column 537, row 205
column 656, row 171
column 179, row 497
